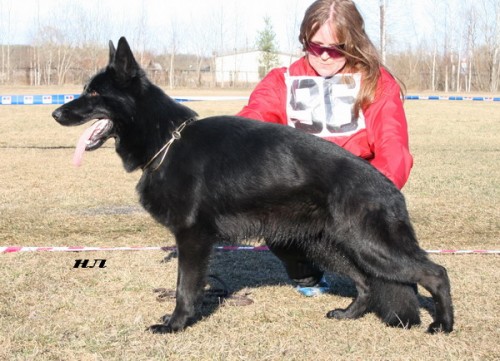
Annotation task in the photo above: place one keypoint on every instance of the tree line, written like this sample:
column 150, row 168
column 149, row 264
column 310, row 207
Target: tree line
column 461, row 55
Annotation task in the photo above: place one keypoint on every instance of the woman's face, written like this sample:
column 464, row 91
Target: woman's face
column 324, row 64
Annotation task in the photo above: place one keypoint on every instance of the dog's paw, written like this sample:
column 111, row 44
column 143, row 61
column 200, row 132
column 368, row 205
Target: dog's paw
column 171, row 324
column 438, row 326
column 338, row 314
column 167, row 326
column 164, row 327
column 161, row 328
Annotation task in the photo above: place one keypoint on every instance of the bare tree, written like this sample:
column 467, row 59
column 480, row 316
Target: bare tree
column 201, row 42
column 470, row 29
column 56, row 40
column 173, row 48
column 220, row 29
column 495, row 78
column 449, row 47
column 462, row 52
column 293, row 19
column 5, row 33
column 492, row 40
column 437, row 42
column 382, row 31
column 140, row 39
column 56, row 54
column 93, row 23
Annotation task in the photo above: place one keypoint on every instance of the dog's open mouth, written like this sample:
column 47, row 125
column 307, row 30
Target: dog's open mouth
column 92, row 138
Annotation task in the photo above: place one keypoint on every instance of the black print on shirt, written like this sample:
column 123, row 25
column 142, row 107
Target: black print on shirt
column 323, row 106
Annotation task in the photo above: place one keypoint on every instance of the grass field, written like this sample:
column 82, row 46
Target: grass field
column 50, row 311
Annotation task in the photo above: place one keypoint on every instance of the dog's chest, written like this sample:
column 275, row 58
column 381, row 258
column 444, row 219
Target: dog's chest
column 160, row 198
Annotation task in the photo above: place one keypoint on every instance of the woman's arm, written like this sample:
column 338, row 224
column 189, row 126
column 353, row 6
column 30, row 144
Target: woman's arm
column 388, row 133
column 267, row 101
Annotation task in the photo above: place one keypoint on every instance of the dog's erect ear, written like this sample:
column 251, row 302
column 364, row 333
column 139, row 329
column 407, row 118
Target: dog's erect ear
column 112, row 52
column 123, row 61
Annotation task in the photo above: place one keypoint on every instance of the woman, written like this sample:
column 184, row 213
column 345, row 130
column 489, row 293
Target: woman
column 341, row 92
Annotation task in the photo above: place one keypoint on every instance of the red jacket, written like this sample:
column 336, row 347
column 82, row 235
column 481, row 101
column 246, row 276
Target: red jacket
column 384, row 142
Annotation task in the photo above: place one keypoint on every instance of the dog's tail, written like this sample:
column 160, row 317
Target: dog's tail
column 395, row 303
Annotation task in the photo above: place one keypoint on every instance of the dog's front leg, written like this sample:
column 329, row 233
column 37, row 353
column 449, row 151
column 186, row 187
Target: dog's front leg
column 193, row 256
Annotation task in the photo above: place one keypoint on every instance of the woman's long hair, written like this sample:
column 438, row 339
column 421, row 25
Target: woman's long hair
column 360, row 53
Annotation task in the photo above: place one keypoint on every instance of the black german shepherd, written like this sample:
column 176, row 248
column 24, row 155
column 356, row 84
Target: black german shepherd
column 226, row 178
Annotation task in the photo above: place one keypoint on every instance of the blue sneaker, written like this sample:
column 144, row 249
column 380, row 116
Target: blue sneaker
column 320, row 288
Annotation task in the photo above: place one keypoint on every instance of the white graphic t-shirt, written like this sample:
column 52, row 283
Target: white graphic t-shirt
column 324, row 106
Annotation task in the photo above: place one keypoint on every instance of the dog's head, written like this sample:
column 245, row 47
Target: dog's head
column 108, row 100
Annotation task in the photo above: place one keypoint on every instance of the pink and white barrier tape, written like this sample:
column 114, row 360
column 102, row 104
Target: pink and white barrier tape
column 463, row 251
column 15, row 249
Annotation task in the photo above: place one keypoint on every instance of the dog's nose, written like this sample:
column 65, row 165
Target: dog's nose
column 56, row 114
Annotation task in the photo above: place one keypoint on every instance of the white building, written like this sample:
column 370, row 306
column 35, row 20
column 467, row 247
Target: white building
column 244, row 67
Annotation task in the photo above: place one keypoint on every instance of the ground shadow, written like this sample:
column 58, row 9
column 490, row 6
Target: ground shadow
column 238, row 271
column 234, row 272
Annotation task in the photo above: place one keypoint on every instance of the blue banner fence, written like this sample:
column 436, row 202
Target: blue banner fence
column 54, row 99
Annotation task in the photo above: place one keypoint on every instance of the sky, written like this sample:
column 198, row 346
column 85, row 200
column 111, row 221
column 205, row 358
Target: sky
column 187, row 24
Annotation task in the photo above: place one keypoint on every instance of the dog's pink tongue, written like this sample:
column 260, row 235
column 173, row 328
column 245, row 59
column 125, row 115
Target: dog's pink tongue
column 82, row 143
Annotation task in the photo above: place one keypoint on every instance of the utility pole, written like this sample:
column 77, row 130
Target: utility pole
column 382, row 31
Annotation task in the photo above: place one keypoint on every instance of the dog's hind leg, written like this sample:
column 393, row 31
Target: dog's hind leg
column 388, row 249
column 305, row 273
column 396, row 304
column 193, row 256
column 360, row 304
column 416, row 268
column 434, row 279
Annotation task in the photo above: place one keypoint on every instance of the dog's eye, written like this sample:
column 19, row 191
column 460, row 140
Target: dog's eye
column 93, row 93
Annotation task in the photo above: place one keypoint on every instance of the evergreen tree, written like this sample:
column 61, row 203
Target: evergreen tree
column 266, row 42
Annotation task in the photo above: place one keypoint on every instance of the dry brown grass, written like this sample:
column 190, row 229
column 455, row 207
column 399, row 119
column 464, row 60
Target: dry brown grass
column 49, row 311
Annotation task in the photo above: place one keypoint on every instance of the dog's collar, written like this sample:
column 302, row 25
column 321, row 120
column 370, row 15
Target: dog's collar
column 176, row 134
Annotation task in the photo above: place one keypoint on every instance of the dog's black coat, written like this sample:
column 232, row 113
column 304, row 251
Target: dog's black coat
column 229, row 178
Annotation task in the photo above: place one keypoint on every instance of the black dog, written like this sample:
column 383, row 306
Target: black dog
column 226, row 178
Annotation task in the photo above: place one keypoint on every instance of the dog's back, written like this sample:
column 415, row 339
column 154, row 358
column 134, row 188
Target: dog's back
column 268, row 174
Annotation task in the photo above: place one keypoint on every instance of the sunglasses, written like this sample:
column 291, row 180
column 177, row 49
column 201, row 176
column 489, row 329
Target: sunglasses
column 335, row 51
